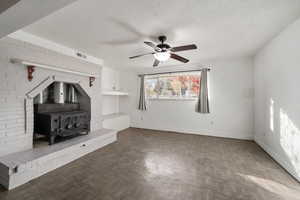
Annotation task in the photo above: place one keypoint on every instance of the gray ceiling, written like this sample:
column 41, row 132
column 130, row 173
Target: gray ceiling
column 15, row 14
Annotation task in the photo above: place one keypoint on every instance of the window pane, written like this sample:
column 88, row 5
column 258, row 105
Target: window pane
column 171, row 87
column 195, row 85
column 151, row 88
column 185, row 85
column 181, row 85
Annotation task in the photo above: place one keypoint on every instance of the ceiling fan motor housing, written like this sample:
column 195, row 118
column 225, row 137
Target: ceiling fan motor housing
column 163, row 47
column 162, row 38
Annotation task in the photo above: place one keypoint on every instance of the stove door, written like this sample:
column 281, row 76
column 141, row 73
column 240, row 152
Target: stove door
column 73, row 123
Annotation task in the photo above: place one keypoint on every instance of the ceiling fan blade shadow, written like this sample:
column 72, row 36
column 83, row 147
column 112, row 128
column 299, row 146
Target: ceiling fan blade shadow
column 127, row 27
column 179, row 58
column 156, row 62
column 132, row 30
column 119, row 42
column 183, row 48
column 131, row 57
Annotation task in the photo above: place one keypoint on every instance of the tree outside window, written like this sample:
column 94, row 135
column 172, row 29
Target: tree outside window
column 173, row 86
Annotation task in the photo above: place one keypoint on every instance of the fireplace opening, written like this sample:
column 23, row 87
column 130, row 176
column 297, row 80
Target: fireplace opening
column 61, row 111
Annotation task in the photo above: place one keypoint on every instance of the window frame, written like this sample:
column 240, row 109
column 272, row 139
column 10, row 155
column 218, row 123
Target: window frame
column 169, row 98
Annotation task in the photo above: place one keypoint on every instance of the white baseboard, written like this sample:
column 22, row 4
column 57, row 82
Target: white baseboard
column 202, row 132
column 281, row 161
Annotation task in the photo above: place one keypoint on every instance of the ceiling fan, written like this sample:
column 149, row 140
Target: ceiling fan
column 162, row 52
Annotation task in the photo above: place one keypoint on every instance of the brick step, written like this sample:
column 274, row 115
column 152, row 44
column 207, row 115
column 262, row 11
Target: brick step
column 21, row 167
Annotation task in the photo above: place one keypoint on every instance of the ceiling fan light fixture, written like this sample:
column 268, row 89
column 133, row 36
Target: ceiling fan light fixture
column 162, row 52
column 162, row 56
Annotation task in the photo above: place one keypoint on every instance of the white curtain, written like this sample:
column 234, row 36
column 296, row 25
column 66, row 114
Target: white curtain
column 203, row 101
column 142, row 101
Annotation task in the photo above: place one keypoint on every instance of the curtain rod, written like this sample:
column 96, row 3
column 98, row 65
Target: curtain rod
column 172, row 72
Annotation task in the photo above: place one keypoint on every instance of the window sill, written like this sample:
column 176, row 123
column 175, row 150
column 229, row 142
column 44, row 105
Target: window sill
column 172, row 99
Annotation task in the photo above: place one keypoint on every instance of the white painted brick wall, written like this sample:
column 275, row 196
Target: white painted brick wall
column 14, row 86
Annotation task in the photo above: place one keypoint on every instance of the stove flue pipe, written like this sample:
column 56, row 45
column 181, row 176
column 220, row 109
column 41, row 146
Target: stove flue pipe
column 59, row 92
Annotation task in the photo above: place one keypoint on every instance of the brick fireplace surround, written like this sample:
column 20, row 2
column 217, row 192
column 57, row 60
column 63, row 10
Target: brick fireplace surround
column 16, row 92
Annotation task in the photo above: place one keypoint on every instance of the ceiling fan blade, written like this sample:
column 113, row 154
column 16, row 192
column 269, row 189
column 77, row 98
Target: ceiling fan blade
column 140, row 55
column 183, row 48
column 151, row 44
column 179, row 58
column 156, row 62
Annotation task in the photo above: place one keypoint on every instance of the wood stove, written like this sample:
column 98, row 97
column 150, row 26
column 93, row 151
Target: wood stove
column 63, row 124
column 56, row 116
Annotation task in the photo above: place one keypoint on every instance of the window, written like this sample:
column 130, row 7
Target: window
column 173, row 86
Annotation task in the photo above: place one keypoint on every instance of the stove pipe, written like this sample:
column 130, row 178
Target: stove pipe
column 59, row 92
column 64, row 93
column 72, row 95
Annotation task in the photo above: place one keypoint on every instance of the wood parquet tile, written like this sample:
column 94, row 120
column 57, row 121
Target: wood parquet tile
column 154, row 165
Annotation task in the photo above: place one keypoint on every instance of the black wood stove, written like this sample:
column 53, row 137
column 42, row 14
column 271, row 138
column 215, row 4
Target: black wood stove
column 63, row 124
column 60, row 119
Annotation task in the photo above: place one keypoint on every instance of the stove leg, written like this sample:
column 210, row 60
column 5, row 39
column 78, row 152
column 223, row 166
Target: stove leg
column 51, row 139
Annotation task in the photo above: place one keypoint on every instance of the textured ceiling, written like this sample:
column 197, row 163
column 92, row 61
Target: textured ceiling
column 5, row 4
column 114, row 30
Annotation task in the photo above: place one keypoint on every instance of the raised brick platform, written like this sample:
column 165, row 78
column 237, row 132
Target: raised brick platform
column 19, row 168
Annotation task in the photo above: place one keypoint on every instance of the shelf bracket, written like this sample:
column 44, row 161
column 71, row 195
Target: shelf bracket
column 92, row 79
column 30, row 70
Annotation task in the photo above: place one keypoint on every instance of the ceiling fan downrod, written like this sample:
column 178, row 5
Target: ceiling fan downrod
column 162, row 38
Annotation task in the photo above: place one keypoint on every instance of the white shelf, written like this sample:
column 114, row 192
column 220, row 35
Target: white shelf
column 113, row 116
column 114, row 93
column 116, row 121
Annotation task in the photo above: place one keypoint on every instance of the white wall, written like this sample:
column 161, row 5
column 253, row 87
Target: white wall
column 110, row 79
column 231, row 92
column 277, row 98
column 110, row 82
column 14, row 85
column 110, row 105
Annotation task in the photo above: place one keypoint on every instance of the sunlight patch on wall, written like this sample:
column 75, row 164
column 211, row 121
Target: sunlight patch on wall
column 290, row 140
